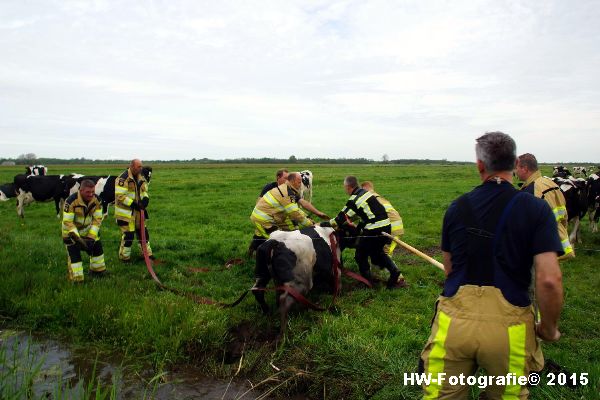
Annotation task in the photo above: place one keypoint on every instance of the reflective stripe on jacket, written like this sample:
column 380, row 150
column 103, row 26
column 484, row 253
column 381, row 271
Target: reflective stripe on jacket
column 544, row 188
column 127, row 190
column 393, row 215
column 364, row 205
column 279, row 207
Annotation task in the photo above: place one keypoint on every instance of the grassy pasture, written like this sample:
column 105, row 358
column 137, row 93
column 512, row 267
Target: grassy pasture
column 199, row 218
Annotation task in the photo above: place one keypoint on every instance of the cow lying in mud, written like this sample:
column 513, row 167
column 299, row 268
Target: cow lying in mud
column 297, row 261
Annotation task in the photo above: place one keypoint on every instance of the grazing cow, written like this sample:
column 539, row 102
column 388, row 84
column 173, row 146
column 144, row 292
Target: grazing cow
column 560, row 172
column 296, row 261
column 576, row 196
column 306, row 190
column 38, row 170
column 42, row 188
column 594, row 201
column 579, row 172
column 7, row 191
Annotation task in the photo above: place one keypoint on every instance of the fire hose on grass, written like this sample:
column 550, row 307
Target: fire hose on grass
column 197, row 299
column 417, row 252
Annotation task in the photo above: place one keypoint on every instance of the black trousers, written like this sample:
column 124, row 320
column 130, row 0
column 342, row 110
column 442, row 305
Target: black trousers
column 74, row 250
column 370, row 244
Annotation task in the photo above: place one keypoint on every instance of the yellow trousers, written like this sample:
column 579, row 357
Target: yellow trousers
column 476, row 328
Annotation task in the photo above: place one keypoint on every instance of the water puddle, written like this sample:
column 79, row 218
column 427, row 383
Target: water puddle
column 50, row 369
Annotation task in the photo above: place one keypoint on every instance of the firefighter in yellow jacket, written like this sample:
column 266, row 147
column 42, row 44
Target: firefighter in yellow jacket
column 131, row 198
column 278, row 210
column 393, row 215
column 544, row 188
column 82, row 217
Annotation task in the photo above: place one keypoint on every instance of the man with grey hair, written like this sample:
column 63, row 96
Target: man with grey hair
column 374, row 220
column 484, row 317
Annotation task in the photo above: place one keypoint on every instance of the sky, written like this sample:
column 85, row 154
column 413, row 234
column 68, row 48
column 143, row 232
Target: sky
column 335, row 79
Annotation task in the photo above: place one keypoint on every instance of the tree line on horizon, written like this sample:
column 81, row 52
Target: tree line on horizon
column 31, row 159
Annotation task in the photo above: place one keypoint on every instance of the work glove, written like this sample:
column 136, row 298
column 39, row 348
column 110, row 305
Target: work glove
column 135, row 206
column 144, row 202
column 90, row 245
column 82, row 244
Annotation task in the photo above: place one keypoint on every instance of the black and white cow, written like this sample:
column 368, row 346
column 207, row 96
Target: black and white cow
column 306, row 190
column 594, row 201
column 579, row 172
column 297, row 261
column 7, row 191
column 576, row 196
column 560, row 171
column 38, row 170
column 42, row 188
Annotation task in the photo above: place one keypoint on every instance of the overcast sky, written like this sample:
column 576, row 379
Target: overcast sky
column 226, row 79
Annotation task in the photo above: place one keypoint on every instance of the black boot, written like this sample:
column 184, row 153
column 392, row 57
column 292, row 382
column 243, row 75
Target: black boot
column 393, row 280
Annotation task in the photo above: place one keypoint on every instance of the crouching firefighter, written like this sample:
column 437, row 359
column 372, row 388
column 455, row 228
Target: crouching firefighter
column 131, row 198
column 82, row 217
column 278, row 210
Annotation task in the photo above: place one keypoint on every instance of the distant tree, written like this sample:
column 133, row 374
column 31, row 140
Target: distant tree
column 27, row 158
column 293, row 159
column 385, row 158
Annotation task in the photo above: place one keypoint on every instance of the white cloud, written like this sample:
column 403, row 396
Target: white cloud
column 415, row 79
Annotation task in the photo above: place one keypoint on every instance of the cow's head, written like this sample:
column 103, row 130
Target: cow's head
column 560, row 171
column 147, row 173
column 307, row 183
column 580, row 172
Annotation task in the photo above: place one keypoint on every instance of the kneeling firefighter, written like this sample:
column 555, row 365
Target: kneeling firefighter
column 82, row 217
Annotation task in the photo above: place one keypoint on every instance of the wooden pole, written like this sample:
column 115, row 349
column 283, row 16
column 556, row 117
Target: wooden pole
column 416, row 251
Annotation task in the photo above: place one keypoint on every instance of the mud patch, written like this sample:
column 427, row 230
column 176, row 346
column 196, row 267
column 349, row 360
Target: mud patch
column 248, row 335
column 201, row 269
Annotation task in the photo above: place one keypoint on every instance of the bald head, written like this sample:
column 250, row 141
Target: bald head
column 136, row 167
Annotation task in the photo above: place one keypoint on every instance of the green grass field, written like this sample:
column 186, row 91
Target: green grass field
column 199, row 218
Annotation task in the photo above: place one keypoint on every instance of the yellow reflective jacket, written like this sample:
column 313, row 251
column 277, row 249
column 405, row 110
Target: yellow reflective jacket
column 393, row 215
column 80, row 218
column 279, row 207
column 544, row 188
column 127, row 190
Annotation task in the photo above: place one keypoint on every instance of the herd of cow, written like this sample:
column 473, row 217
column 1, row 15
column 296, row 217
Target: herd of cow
column 36, row 185
column 582, row 193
